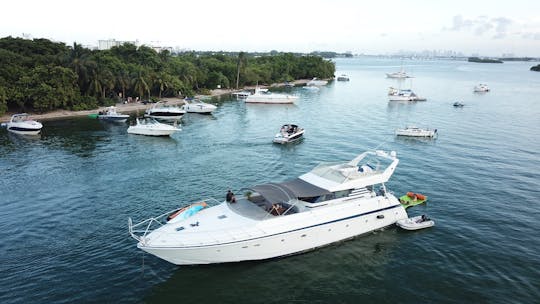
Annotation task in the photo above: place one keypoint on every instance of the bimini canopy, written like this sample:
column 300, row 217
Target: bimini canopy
column 286, row 191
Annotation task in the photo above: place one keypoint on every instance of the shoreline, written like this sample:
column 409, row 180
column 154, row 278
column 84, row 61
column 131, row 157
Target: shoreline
column 138, row 106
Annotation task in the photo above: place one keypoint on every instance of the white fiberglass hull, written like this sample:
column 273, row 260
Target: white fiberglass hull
column 25, row 128
column 150, row 131
column 283, row 236
column 286, row 99
column 424, row 133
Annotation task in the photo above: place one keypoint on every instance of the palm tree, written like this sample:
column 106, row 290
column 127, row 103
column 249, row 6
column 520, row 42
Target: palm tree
column 241, row 62
column 140, row 84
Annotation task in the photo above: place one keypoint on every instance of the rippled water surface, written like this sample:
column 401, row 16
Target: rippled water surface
column 65, row 196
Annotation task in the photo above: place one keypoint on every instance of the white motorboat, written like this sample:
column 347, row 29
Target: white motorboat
column 343, row 77
column 416, row 132
column 110, row 114
column 289, row 133
column 400, row 75
column 331, row 203
column 197, row 106
column 151, row 127
column 415, row 223
column 316, row 82
column 481, row 88
column 403, row 95
column 241, row 94
column 22, row 124
column 264, row 96
column 165, row 112
column 288, row 84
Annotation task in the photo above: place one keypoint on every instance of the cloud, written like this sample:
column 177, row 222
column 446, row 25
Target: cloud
column 482, row 25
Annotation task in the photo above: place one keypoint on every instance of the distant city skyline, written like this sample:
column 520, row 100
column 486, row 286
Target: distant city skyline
column 382, row 28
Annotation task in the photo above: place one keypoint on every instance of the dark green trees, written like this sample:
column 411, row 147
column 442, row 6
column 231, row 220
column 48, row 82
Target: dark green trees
column 42, row 75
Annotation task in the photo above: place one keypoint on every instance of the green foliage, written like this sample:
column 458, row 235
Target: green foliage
column 43, row 75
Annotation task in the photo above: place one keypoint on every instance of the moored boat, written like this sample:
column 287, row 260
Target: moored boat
column 197, row 106
column 165, row 112
column 331, row 203
column 414, row 131
column 343, row 77
column 110, row 114
column 265, row 96
column 22, row 124
column 416, row 222
column 151, row 127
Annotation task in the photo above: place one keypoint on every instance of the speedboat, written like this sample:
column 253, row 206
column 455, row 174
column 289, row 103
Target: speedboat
column 481, row 88
column 197, row 106
column 331, row 203
column 151, row 127
column 403, row 95
column 110, row 114
column 289, row 133
column 416, row 222
column 264, row 96
column 343, row 77
column 316, row 82
column 458, row 104
column 165, row 112
column 22, row 124
column 416, row 132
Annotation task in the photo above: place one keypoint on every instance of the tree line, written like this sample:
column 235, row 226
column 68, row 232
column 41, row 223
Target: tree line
column 42, row 75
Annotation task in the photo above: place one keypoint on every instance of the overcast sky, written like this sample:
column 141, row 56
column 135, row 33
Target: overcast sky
column 489, row 28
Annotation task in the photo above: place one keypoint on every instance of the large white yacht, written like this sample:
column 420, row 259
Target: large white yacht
column 331, row 203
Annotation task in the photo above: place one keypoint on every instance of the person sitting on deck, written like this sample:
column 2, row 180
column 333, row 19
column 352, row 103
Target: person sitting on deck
column 230, row 196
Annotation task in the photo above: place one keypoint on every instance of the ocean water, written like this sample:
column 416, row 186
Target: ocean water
column 65, row 196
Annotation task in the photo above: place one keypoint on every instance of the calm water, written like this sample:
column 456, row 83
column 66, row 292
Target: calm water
column 65, row 197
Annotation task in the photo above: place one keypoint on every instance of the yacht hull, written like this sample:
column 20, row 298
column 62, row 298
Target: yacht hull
column 269, row 240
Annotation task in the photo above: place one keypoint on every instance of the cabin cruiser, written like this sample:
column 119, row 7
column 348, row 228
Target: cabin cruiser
column 110, row 114
column 481, row 88
column 151, row 127
column 22, row 124
column 416, row 132
column 343, row 77
column 289, row 133
column 197, row 106
column 264, row 96
column 331, row 203
column 403, row 95
column 165, row 112
column 316, row 82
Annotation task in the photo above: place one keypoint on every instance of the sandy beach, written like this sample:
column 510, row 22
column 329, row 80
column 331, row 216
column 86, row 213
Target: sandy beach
column 137, row 106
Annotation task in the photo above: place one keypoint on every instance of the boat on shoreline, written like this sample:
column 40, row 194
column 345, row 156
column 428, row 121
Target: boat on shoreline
column 110, row 114
column 265, row 96
column 343, row 77
column 165, row 112
column 331, row 203
column 23, row 125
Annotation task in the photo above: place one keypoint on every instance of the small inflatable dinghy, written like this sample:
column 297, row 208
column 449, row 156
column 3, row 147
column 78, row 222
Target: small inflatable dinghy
column 415, row 223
